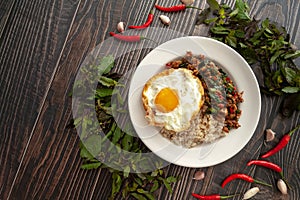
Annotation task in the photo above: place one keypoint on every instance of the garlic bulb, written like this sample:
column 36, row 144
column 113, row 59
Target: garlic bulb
column 270, row 135
column 282, row 186
column 251, row 192
column 199, row 175
column 165, row 19
column 120, row 27
column 187, row 2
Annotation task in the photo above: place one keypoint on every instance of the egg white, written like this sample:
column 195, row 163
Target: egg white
column 189, row 91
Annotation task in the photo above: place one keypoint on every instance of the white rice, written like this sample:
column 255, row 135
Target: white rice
column 204, row 129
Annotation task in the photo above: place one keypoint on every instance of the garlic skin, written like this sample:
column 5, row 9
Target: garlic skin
column 199, row 175
column 187, row 2
column 120, row 27
column 282, row 186
column 251, row 192
column 165, row 19
column 270, row 135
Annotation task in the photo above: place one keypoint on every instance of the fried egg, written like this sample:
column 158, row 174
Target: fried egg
column 172, row 98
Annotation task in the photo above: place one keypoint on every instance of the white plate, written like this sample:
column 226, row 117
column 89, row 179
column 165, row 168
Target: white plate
column 203, row 155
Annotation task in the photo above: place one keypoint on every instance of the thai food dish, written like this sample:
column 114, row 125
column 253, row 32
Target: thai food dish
column 192, row 101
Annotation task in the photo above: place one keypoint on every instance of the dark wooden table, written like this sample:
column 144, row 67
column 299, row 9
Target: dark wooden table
column 42, row 45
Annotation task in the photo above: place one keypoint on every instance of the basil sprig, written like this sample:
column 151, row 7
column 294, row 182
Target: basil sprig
column 261, row 43
column 128, row 184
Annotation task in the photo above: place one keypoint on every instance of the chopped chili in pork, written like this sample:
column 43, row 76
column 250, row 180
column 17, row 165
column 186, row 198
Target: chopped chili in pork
column 222, row 98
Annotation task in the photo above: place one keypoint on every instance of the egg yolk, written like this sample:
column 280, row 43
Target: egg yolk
column 166, row 100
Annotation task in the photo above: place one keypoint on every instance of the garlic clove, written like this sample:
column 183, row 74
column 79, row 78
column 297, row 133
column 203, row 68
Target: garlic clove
column 281, row 185
column 165, row 19
column 270, row 135
column 120, row 27
column 199, row 175
column 251, row 192
column 187, row 2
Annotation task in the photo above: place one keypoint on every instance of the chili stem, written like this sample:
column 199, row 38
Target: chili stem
column 229, row 196
column 292, row 131
column 145, row 38
column 193, row 7
column 262, row 183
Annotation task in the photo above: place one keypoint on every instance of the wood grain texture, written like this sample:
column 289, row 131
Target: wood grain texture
column 30, row 46
column 5, row 10
column 41, row 52
column 42, row 175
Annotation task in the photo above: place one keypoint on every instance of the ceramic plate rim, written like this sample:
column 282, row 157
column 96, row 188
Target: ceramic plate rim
column 219, row 52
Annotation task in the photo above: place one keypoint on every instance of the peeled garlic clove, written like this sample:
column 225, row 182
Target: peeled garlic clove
column 165, row 19
column 270, row 135
column 199, row 175
column 282, row 186
column 251, row 192
column 187, row 2
column 294, row 47
column 120, row 27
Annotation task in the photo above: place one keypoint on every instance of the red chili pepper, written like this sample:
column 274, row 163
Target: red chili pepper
column 211, row 197
column 146, row 24
column 243, row 177
column 266, row 164
column 175, row 8
column 127, row 38
column 282, row 143
column 269, row 165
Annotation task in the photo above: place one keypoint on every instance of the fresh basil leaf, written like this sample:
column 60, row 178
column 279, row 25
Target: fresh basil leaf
column 277, row 78
column 289, row 74
column 141, row 176
column 138, row 196
column 167, row 184
column 142, row 191
column 120, row 99
column 210, row 20
column 117, row 182
column 203, row 16
column 93, row 144
column 242, row 45
column 150, row 196
column 133, row 187
column 241, row 10
column 220, row 30
column 239, row 34
column 294, row 55
column 155, row 186
column 231, row 41
column 127, row 142
column 213, row 4
column 265, row 23
column 108, row 82
column 250, row 29
column 154, row 173
column 172, row 179
column 76, row 121
column 103, row 92
column 106, row 64
column 275, row 56
column 290, row 89
column 84, row 153
column 146, row 193
column 234, row 12
column 94, row 165
column 117, row 135
column 138, row 181
column 126, row 171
